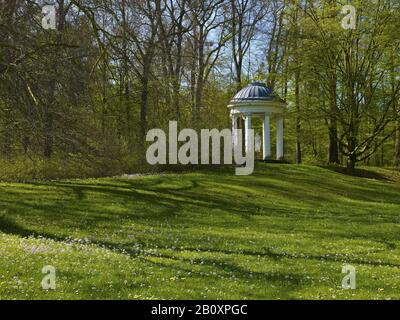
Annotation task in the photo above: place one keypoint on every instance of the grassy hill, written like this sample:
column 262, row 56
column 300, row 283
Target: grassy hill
column 283, row 233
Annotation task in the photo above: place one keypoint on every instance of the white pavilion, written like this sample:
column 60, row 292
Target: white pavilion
column 259, row 101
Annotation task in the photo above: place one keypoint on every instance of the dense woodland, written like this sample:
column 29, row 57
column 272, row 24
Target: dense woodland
column 79, row 100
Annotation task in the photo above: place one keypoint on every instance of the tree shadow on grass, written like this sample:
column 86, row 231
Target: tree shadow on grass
column 153, row 201
column 312, row 189
column 359, row 173
column 10, row 227
column 284, row 282
column 277, row 256
column 166, row 203
column 162, row 202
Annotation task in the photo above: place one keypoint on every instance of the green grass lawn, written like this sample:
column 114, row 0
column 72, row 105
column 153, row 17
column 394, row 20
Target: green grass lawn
column 283, row 233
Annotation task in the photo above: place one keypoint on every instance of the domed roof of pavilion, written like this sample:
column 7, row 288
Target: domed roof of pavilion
column 255, row 92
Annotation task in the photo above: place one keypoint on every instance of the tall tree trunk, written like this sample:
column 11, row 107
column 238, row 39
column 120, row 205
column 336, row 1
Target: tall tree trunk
column 396, row 110
column 297, row 74
column 48, row 138
column 172, row 51
column 352, row 156
column 194, row 70
column 144, row 96
column 397, row 144
column 200, row 76
column 125, row 86
column 176, row 97
column 333, row 143
column 238, row 78
column 377, row 158
column 48, row 117
column 143, row 105
column 351, row 164
column 9, row 8
column 6, row 143
column 298, row 119
column 332, row 126
column 179, row 60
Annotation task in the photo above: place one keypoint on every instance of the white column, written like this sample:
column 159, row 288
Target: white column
column 247, row 128
column 279, row 138
column 267, row 137
column 235, row 137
